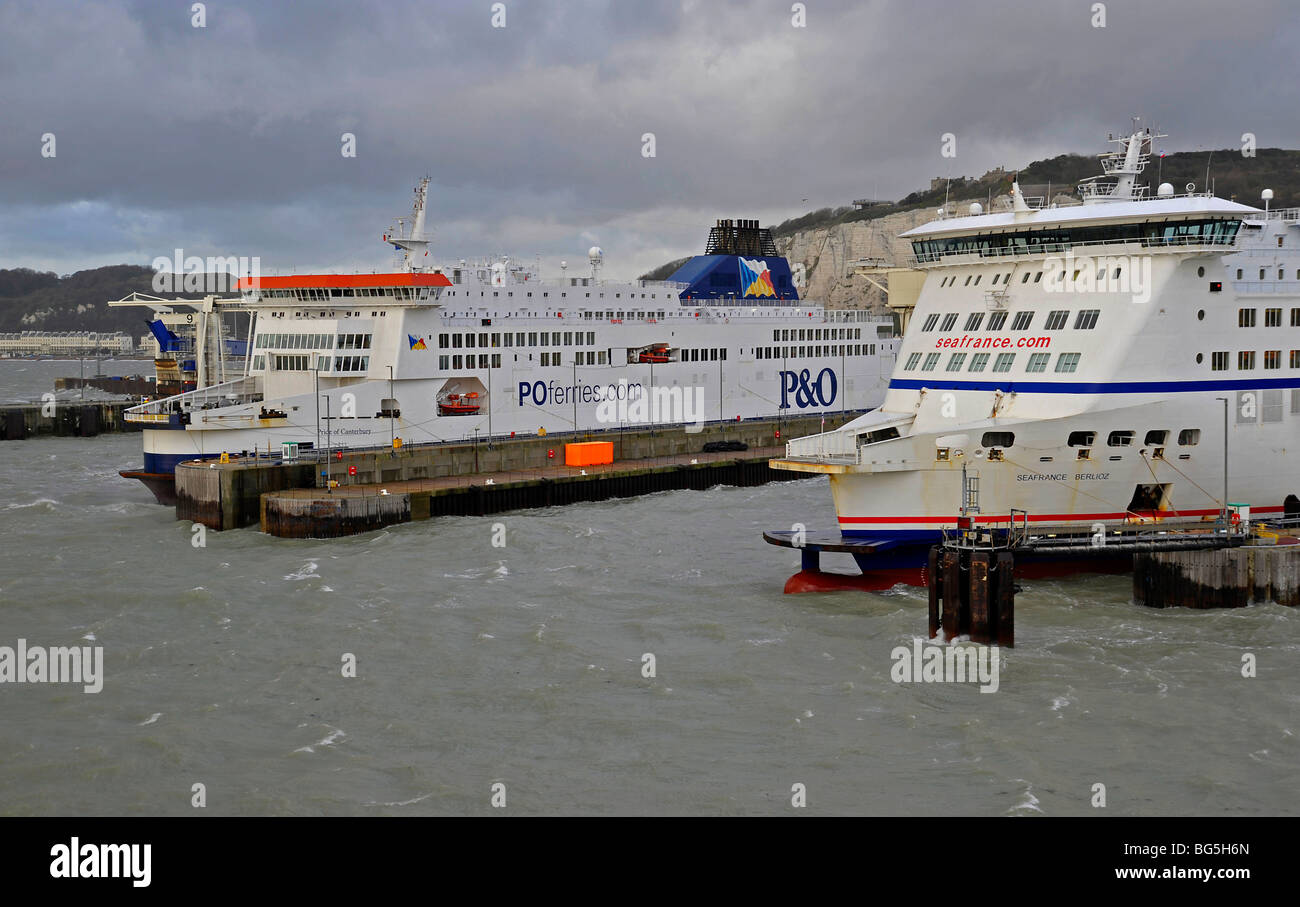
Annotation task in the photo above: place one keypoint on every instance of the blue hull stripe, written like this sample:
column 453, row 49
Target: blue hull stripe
column 166, row 463
column 1108, row 387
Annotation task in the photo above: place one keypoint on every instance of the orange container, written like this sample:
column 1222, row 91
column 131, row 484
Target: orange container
column 589, row 453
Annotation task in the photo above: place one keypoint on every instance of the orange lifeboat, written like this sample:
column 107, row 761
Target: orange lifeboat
column 459, row 404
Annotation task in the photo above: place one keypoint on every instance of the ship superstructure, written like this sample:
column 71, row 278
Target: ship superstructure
column 495, row 350
column 1081, row 363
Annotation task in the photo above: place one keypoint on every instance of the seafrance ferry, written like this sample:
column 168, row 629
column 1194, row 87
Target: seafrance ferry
column 1086, row 364
column 494, row 350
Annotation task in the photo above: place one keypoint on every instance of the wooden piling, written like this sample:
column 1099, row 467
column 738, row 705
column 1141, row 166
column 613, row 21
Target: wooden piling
column 1006, row 599
column 972, row 594
column 935, row 589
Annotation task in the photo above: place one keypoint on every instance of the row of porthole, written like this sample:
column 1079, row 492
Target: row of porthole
column 1156, row 437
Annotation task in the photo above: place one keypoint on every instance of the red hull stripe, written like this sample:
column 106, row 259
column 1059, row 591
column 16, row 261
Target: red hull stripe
column 332, row 281
column 1046, row 517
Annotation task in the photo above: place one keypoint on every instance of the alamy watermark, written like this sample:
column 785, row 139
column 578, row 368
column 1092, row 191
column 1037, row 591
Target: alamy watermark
column 947, row 664
column 194, row 274
column 53, row 664
column 657, row 405
column 1072, row 273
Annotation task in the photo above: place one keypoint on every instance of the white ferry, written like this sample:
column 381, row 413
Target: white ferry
column 493, row 350
column 1089, row 364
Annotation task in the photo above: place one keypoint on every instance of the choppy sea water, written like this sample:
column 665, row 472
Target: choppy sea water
column 25, row 380
column 522, row 665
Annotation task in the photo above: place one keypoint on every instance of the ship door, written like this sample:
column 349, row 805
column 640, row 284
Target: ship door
column 1151, row 498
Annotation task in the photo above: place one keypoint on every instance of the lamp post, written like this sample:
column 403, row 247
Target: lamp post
column 316, row 375
column 329, row 485
column 1223, row 513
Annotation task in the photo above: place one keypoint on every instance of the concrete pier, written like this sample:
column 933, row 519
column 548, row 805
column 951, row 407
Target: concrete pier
column 1226, row 578
column 323, row 513
column 65, row 418
column 468, row 478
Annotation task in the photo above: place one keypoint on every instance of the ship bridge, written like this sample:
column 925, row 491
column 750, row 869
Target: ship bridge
column 406, row 288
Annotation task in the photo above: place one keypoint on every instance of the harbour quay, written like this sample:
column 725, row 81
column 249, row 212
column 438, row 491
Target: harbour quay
column 332, row 493
column 65, row 419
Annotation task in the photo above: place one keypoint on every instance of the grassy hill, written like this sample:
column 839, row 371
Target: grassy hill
column 44, row 301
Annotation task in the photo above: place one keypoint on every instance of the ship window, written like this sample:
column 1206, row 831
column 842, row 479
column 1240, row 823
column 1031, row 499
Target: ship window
column 442, row 341
column 996, row 278
column 1189, row 437
column 955, row 362
column 977, row 279
column 1025, row 279
column 1067, row 363
column 948, row 321
column 1246, row 317
column 996, row 320
column 1022, row 321
column 1272, row 318
column 1086, row 320
column 1003, row 362
column 1239, row 273
column 1038, row 362
column 880, row 434
column 931, row 360
column 1272, row 358
column 912, row 360
column 442, row 362
column 978, row 361
column 930, row 322
column 973, row 322
column 1156, row 438
column 1082, row 439
column 998, row 439
column 1200, row 272
column 1295, row 359
column 967, row 283
column 1219, row 361
column 1245, row 360
column 1057, row 319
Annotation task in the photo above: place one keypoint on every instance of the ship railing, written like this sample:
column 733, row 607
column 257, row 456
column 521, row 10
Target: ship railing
column 1288, row 287
column 1286, row 215
column 830, row 445
column 230, row 393
column 1153, row 244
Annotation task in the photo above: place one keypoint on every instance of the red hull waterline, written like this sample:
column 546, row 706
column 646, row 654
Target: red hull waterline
column 162, row 484
column 880, row 580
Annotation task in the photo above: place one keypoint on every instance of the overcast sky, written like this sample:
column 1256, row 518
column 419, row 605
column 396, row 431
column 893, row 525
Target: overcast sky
column 226, row 140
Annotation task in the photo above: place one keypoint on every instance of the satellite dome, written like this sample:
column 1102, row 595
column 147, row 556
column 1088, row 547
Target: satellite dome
column 595, row 252
column 976, row 208
column 1166, row 190
column 1267, row 195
